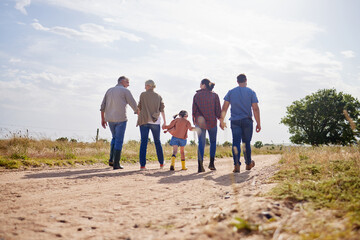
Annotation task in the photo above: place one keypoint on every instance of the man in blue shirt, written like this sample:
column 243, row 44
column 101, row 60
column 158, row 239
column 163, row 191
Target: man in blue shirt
column 243, row 102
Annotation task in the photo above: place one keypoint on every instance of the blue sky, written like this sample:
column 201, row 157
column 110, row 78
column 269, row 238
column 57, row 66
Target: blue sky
column 58, row 57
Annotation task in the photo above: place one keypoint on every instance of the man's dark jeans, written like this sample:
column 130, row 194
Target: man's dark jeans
column 242, row 130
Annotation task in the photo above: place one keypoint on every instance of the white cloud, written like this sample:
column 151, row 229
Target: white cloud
column 181, row 43
column 21, row 4
column 89, row 32
column 348, row 54
column 14, row 60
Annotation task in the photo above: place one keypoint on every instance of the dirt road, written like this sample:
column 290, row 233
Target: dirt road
column 96, row 202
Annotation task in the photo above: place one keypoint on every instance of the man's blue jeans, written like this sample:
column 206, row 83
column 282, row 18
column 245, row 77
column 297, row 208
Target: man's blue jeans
column 118, row 131
column 242, row 130
column 144, row 132
column 202, row 136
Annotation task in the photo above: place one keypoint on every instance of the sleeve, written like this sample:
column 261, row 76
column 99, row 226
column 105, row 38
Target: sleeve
column 162, row 105
column 171, row 125
column 254, row 98
column 194, row 108
column 217, row 106
column 140, row 102
column 131, row 101
column 227, row 97
column 103, row 104
column 188, row 126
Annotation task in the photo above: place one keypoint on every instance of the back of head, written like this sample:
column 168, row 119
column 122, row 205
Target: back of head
column 150, row 83
column 209, row 85
column 182, row 114
column 241, row 78
column 122, row 78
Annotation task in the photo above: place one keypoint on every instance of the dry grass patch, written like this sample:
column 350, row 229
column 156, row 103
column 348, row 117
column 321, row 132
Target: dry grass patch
column 326, row 181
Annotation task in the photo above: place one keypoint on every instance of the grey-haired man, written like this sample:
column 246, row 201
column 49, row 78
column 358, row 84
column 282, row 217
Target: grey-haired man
column 113, row 113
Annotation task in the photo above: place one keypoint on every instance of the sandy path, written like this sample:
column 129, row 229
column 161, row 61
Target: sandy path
column 96, row 202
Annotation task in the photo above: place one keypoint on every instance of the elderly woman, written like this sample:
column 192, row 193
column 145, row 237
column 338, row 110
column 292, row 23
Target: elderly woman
column 206, row 110
column 150, row 106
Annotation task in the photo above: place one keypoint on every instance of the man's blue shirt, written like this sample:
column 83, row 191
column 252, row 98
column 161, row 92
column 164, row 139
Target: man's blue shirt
column 241, row 100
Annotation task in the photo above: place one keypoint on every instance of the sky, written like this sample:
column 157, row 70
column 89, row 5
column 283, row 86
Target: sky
column 58, row 58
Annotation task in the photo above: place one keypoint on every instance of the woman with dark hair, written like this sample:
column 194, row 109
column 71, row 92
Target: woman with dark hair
column 206, row 110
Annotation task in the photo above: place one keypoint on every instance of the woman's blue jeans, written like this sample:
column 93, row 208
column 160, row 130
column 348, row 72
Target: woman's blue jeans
column 242, row 130
column 144, row 132
column 202, row 137
column 117, row 131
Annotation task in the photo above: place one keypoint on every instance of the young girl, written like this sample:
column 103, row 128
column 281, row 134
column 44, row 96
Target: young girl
column 178, row 128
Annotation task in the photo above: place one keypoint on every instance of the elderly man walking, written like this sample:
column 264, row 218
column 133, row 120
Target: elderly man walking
column 242, row 100
column 113, row 113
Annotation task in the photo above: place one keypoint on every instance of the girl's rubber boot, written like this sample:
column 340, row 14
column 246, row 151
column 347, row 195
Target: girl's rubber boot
column 212, row 164
column 172, row 166
column 183, row 164
column 200, row 167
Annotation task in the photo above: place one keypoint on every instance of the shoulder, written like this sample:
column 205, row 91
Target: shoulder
column 235, row 89
column 198, row 92
column 250, row 90
column 214, row 94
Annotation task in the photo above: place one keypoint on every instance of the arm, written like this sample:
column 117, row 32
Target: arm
column 103, row 122
column 102, row 110
column 163, row 116
column 217, row 107
column 139, row 104
column 256, row 112
column 194, row 110
column 131, row 101
column 224, row 109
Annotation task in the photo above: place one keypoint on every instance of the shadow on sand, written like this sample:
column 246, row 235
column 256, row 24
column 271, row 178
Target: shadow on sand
column 165, row 177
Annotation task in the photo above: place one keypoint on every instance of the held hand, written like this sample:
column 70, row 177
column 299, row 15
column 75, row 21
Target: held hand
column 163, row 126
column 258, row 128
column 103, row 123
column 223, row 125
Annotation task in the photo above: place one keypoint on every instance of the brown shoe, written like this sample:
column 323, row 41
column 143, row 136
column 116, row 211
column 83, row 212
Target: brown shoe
column 236, row 168
column 251, row 165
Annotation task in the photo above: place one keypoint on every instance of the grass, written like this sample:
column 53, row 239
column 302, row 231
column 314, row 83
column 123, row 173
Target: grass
column 326, row 178
column 23, row 152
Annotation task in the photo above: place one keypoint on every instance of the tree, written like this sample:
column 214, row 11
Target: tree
column 319, row 118
column 258, row 144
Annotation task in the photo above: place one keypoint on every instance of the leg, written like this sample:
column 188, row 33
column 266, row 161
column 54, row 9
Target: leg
column 119, row 140
column 247, row 131
column 236, row 150
column 212, row 136
column 111, row 160
column 112, row 144
column 201, row 148
column 155, row 130
column 173, row 157
column 175, row 149
column 144, row 132
column 182, row 152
